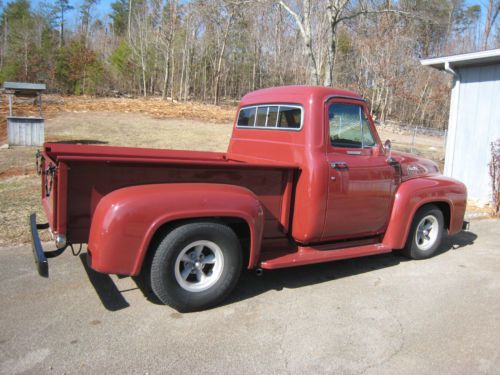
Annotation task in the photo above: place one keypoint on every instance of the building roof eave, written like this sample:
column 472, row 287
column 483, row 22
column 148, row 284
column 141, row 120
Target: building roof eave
column 466, row 59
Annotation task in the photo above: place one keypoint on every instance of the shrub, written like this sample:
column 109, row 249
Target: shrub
column 495, row 175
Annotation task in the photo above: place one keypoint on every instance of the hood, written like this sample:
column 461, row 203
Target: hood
column 413, row 166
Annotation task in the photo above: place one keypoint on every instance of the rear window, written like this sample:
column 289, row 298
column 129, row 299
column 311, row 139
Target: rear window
column 247, row 116
column 261, row 116
column 289, row 117
column 283, row 117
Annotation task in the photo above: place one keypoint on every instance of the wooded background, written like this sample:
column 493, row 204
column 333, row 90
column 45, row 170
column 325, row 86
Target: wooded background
column 218, row 50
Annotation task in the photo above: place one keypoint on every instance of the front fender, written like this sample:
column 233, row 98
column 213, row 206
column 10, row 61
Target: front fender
column 126, row 219
column 413, row 194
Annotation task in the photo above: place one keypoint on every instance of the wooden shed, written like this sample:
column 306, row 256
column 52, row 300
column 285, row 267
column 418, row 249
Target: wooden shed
column 25, row 130
column 474, row 120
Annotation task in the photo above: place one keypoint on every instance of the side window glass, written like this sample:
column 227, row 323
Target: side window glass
column 289, row 117
column 349, row 126
column 246, row 116
column 261, row 116
column 272, row 116
column 368, row 139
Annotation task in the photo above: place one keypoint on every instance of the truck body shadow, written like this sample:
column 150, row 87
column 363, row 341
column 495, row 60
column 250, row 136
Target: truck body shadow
column 251, row 285
column 111, row 298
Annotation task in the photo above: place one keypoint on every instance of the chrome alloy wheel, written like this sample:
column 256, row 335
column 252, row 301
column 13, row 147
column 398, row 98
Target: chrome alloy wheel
column 199, row 266
column 427, row 232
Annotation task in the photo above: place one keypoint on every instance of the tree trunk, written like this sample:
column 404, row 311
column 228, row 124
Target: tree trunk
column 25, row 59
column 205, row 82
column 421, row 100
column 334, row 10
column 254, row 65
column 143, row 65
column 305, row 31
column 221, row 56
column 493, row 11
column 169, row 48
column 129, row 18
column 309, row 43
column 184, row 58
column 142, row 37
column 61, row 28
column 189, row 63
column 172, row 58
column 4, row 42
column 332, row 47
column 165, row 77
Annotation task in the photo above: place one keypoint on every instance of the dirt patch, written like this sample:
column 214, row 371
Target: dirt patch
column 12, row 172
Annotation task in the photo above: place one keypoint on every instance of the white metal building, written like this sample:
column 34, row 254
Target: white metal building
column 474, row 118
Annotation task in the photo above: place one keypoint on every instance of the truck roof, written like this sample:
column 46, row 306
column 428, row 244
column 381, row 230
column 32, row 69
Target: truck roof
column 294, row 94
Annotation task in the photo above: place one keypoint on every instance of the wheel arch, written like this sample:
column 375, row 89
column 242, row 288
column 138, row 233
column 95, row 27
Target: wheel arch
column 445, row 193
column 127, row 220
column 445, row 209
column 239, row 226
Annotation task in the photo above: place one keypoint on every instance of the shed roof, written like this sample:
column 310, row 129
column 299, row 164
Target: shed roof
column 465, row 59
column 24, row 86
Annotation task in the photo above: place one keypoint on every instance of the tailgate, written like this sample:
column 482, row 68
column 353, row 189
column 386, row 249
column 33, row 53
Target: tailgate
column 53, row 179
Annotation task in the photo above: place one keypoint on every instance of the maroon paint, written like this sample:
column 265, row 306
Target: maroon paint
column 279, row 182
column 126, row 219
column 416, row 192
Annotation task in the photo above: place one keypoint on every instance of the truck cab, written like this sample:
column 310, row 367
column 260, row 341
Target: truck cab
column 343, row 166
column 306, row 179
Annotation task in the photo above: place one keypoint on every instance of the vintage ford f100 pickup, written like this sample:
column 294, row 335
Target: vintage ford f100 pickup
column 305, row 180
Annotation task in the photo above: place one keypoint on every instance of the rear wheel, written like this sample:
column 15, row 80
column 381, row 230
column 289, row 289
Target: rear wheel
column 425, row 234
column 196, row 266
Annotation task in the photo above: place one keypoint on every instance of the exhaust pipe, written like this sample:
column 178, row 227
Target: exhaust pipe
column 465, row 226
column 259, row 271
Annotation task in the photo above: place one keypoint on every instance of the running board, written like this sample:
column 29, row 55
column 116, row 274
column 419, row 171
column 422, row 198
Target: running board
column 311, row 255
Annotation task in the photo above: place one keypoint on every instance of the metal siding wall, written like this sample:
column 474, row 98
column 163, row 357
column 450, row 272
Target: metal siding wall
column 478, row 124
column 452, row 128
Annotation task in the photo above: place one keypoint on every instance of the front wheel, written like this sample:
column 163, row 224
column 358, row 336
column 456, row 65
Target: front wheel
column 196, row 266
column 425, row 234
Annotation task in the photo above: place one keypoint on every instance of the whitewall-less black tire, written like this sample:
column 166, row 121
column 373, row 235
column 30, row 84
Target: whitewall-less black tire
column 425, row 233
column 196, row 266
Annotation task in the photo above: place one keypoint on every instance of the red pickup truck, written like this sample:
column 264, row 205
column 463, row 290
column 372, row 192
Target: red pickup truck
column 305, row 180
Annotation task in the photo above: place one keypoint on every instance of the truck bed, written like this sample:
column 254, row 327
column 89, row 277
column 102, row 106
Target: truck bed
column 84, row 174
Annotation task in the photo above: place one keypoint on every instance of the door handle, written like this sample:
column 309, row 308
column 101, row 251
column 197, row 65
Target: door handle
column 339, row 165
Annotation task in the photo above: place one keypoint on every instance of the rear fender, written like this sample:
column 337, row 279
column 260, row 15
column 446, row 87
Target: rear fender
column 413, row 194
column 126, row 220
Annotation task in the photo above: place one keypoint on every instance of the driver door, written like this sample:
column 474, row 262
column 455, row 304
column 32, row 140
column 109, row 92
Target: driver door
column 361, row 183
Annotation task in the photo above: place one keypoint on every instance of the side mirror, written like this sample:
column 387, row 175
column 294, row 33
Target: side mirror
column 387, row 148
